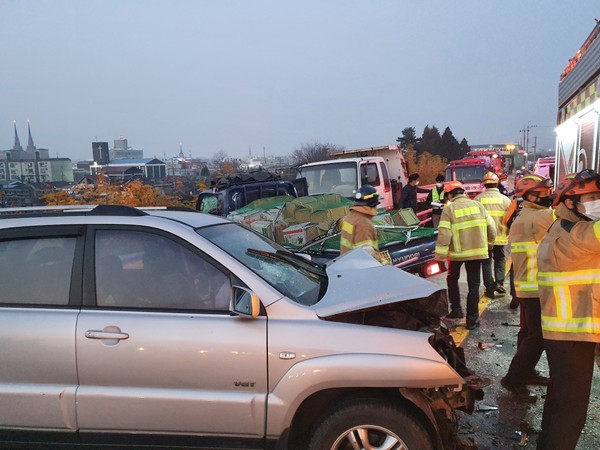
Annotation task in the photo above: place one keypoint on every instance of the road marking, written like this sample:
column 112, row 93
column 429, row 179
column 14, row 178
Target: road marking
column 458, row 329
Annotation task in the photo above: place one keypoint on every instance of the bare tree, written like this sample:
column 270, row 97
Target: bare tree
column 314, row 151
column 219, row 158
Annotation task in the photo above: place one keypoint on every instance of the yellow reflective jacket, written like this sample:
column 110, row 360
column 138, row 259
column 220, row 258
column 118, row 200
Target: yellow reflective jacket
column 465, row 232
column 358, row 229
column 524, row 236
column 496, row 204
column 569, row 278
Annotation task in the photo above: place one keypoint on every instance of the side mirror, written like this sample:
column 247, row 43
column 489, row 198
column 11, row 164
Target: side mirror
column 245, row 302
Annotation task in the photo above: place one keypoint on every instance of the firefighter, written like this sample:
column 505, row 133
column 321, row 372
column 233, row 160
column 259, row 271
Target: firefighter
column 357, row 227
column 496, row 205
column 465, row 233
column 436, row 200
column 569, row 286
column 526, row 232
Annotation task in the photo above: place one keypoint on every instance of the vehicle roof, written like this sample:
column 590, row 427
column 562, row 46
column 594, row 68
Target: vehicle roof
column 337, row 161
column 105, row 214
column 245, row 184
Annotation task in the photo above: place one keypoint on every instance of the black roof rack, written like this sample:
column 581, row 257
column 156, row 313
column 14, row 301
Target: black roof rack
column 92, row 210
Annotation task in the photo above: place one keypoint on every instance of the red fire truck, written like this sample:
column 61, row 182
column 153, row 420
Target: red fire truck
column 471, row 169
column 577, row 143
column 470, row 172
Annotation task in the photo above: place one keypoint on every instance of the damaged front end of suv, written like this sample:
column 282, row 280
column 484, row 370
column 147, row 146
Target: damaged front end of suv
column 419, row 307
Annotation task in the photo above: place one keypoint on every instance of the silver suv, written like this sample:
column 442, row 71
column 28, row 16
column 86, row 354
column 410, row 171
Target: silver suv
column 166, row 327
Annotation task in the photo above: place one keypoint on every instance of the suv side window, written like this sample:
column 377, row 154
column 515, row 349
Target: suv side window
column 36, row 271
column 135, row 269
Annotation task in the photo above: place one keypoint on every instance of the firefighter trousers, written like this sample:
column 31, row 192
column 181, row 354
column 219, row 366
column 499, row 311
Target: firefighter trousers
column 530, row 341
column 494, row 269
column 571, row 368
column 473, row 269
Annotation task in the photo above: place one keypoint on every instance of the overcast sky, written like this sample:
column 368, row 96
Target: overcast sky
column 235, row 75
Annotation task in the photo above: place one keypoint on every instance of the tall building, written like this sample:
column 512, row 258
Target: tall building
column 32, row 165
column 100, row 152
column 122, row 150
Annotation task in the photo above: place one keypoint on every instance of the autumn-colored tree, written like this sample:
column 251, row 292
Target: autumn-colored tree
column 201, row 186
column 134, row 193
column 138, row 194
column 59, row 198
column 428, row 166
column 226, row 169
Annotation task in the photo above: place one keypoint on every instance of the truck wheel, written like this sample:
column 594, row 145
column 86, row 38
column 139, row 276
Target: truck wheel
column 370, row 424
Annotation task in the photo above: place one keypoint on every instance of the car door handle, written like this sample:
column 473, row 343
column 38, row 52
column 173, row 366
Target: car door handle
column 99, row 334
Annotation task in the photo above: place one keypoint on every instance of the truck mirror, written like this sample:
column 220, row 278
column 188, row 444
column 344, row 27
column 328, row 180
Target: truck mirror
column 301, row 186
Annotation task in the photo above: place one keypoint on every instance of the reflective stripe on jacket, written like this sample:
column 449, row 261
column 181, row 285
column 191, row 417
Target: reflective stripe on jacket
column 569, row 278
column 436, row 196
column 525, row 234
column 465, row 232
column 496, row 204
column 358, row 229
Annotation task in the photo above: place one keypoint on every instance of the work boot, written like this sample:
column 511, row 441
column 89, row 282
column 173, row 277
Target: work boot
column 514, row 303
column 501, row 289
column 456, row 313
column 472, row 324
column 489, row 295
column 519, row 390
column 536, row 379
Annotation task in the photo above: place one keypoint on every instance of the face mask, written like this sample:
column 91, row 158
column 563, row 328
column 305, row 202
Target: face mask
column 592, row 209
column 439, row 184
column 544, row 201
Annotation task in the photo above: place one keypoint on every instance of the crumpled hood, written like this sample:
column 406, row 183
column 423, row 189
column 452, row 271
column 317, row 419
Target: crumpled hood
column 358, row 282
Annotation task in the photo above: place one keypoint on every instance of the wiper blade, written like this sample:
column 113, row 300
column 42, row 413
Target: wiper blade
column 294, row 260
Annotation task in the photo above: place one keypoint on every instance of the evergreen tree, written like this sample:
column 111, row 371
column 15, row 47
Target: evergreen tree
column 450, row 146
column 408, row 138
column 430, row 141
column 464, row 147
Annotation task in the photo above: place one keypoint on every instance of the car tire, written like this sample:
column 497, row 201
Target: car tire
column 367, row 424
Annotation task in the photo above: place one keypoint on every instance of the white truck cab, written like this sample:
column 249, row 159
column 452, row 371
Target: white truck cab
column 381, row 167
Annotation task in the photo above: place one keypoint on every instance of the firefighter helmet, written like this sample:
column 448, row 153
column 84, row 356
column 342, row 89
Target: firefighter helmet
column 584, row 182
column 452, row 185
column 366, row 195
column 490, row 178
column 533, row 183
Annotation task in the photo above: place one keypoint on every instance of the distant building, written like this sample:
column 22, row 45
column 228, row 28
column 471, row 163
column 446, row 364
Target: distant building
column 32, row 165
column 17, row 151
column 122, row 150
column 100, row 152
column 151, row 168
column 17, row 194
column 37, row 171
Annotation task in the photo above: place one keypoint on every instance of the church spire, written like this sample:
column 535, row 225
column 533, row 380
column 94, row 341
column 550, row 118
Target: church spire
column 17, row 146
column 30, row 144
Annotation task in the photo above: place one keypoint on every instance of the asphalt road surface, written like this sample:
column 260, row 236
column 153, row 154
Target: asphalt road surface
column 501, row 421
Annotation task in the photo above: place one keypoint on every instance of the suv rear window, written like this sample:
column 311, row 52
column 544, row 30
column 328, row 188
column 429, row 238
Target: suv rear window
column 36, row 271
